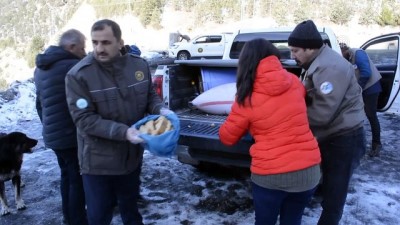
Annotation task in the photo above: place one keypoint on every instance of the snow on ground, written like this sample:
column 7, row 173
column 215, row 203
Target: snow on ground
column 179, row 194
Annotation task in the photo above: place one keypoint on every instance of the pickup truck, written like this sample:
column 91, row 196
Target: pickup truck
column 179, row 83
column 207, row 46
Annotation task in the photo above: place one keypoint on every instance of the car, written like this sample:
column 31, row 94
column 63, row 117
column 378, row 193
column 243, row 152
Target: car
column 383, row 50
column 207, row 46
column 278, row 36
column 179, row 84
column 156, row 58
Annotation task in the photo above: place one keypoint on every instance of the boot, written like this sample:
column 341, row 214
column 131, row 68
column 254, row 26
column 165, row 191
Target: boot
column 375, row 150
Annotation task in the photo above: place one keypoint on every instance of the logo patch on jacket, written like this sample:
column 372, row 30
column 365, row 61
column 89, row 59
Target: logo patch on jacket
column 81, row 103
column 139, row 75
column 326, row 87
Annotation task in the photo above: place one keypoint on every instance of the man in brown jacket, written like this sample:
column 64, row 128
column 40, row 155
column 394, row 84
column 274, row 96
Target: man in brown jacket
column 107, row 93
column 335, row 112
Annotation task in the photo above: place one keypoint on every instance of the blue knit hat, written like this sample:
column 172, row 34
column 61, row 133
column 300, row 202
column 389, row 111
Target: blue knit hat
column 305, row 35
column 134, row 50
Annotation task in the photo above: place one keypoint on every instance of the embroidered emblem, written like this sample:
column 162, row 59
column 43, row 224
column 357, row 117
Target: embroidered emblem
column 81, row 103
column 139, row 75
column 326, row 87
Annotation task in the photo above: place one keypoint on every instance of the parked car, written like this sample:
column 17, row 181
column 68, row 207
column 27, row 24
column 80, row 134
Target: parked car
column 180, row 83
column 385, row 54
column 156, row 58
column 208, row 46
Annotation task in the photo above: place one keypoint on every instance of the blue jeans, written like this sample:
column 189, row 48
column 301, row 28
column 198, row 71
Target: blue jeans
column 340, row 156
column 72, row 194
column 269, row 203
column 103, row 191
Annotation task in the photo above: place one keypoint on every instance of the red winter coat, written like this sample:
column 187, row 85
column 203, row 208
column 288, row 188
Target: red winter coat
column 277, row 121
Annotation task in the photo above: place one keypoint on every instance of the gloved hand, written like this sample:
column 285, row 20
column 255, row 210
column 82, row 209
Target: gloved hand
column 132, row 135
column 165, row 111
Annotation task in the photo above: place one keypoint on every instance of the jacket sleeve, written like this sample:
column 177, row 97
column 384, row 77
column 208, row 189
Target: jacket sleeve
column 329, row 89
column 362, row 62
column 234, row 127
column 84, row 115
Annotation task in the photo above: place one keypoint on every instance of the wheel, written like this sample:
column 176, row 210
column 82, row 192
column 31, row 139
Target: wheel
column 183, row 55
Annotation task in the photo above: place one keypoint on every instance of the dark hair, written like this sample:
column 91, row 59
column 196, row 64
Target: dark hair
column 101, row 24
column 71, row 37
column 124, row 50
column 252, row 53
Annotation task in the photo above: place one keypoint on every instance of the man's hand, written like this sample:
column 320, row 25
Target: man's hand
column 132, row 135
column 165, row 111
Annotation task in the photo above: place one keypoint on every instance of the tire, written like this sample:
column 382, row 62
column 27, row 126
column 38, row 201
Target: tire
column 183, row 55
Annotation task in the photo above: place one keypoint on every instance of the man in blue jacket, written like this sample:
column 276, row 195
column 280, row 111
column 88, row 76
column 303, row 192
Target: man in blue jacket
column 368, row 78
column 59, row 131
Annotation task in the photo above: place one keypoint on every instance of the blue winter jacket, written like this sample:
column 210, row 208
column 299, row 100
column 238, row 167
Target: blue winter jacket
column 59, row 131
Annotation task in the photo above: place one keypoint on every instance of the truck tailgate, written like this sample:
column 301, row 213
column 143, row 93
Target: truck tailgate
column 199, row 141
column 197, row 123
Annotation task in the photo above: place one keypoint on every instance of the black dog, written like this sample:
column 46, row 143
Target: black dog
column 12, row 148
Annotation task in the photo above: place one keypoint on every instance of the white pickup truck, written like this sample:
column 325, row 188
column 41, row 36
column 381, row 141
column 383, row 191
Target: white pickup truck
column 179, row 83
column 207, row 46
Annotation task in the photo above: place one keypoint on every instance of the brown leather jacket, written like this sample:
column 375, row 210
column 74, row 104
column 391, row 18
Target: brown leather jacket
column 104, row 101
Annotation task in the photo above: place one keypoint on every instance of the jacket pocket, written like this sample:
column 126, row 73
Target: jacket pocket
column 106, row 155
column 106, row 103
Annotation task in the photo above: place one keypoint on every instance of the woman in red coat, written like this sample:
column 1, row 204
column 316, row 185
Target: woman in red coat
column 285, row 156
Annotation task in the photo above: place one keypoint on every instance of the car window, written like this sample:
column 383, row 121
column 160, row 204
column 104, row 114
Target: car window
column 383, row 52
column 202, row 39
column 215, row 39
column 279, row 39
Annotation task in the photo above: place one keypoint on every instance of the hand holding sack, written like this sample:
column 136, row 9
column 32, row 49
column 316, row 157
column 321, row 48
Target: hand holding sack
column 160, row 133
column 132, row 135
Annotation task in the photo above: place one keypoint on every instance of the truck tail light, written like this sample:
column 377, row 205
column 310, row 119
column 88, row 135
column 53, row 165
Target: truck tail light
column 157, row 84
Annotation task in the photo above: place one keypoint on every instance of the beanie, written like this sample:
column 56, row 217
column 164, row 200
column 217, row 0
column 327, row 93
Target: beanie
column 305, row 35
column 133, row 49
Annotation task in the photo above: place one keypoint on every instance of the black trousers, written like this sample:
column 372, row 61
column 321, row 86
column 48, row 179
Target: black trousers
column 72, row 194
column 103, row 191
column 340, row 156
column 370, row 106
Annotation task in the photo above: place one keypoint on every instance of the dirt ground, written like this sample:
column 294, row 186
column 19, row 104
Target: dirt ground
column 180, row 194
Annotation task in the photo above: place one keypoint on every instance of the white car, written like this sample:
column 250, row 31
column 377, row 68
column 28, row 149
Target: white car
column 209, row 46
